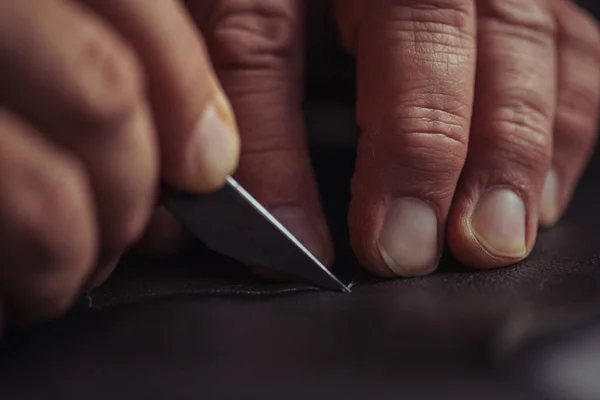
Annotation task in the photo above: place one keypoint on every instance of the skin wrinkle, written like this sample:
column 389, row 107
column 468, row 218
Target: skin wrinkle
column 584, row 48
column 253, row 35
column 424, row 41
column 426, row 120
column 527, row 114
column 450, row 116
column 527, row 16
column 461, row 8
column 522, row 34
column 422, row 93
column 579, row 50
column 577, row 100
column 430, row 116
column 427, row 166
column 420, row 141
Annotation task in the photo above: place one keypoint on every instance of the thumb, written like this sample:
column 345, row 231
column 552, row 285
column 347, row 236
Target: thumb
column 197, row 132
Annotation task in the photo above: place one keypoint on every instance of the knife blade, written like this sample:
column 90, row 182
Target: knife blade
column 233, row 223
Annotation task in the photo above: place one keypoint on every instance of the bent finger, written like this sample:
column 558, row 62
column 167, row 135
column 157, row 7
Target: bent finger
column 257, row 51
column 416, row 68
column 80, row 84
column 494, row 219
column 576, row 121
column 47, row 224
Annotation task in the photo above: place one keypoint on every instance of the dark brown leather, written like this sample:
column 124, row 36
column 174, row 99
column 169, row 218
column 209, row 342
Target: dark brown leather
column 171, row 329
column 165, row 330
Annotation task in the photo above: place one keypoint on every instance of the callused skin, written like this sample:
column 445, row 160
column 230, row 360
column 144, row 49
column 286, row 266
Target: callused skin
column 477, row 119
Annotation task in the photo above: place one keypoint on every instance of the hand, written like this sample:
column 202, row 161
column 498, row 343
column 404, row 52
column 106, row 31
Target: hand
column 477, row 119
column 98, row 101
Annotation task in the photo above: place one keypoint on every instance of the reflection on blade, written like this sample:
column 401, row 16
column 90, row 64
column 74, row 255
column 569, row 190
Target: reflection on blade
column 231, row 222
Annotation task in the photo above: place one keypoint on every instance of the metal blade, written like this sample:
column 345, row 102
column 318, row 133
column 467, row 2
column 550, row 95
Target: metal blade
column 231, row 222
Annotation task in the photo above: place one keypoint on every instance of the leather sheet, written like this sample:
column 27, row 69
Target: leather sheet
column 171, row 329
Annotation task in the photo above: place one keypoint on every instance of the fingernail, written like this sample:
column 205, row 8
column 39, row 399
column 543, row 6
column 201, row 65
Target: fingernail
column 549, row 208
column 308, row 232
column 408, row 242
column 499, row 224
column 216, row 145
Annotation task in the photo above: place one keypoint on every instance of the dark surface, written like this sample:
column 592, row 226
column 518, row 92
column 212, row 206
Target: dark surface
column 167, row 331
column 171, row 330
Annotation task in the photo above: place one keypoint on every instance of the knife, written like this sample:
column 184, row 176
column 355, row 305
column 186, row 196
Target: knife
column 231, row 222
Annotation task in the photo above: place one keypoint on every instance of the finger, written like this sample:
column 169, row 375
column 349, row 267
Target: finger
column 257, row 51
column 494, row 219
column 198, row 137
column 165, row 236
column 65, row 71
column 415, row 66
column 47, row 224
column 576, row 121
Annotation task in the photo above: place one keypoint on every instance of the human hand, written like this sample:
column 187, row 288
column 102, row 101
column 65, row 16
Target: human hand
column 477, row 119
column 98, row 101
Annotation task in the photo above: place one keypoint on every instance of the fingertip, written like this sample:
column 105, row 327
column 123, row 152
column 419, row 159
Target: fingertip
column 215, row 146
column 408, row 240
column 212, row 151
column 490, row 233
column 367, row 222
column 550, row 204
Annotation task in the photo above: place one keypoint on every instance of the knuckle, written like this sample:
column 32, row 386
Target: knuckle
column 463, row 7
column 578, row 30
column 522, row 134
column 578, row 103
column 435, row 22
column 109, row 79
column 532, row 19
column 431, row 141
column 526, row 106
column 61, row 228
column 525, row 153
column 575, row 131
column 254, row 34
column 271, row 141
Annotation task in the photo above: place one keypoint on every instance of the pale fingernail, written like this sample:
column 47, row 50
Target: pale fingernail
column 499, row 224
column 549, row 210
column 216, row 144
column 408, row 242
column 307, row 231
